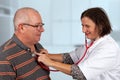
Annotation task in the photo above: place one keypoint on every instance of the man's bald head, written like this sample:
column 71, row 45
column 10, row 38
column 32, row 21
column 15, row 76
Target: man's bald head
column 23, row 15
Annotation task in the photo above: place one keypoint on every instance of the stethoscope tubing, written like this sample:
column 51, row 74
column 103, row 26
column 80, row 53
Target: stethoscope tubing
column 76, row 63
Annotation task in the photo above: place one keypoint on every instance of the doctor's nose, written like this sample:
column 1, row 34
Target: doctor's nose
column 84, row 29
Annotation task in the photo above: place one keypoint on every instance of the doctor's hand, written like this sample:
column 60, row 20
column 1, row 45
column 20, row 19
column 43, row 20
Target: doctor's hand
column 45, row 59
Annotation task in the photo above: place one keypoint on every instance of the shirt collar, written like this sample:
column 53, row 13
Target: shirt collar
column 21, row 45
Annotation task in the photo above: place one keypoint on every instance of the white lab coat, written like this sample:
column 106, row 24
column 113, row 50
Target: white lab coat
column 102, row 61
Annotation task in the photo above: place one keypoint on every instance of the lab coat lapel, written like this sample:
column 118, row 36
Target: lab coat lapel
column 95, row 44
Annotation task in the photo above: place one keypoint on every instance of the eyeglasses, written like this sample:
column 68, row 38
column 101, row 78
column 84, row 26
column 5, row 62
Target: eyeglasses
column 35, row 26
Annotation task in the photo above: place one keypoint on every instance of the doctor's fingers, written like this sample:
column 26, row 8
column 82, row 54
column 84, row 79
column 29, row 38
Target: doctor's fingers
column 43, row 51
column 44, row 58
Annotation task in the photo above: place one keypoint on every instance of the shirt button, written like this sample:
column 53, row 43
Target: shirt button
column 28, row 49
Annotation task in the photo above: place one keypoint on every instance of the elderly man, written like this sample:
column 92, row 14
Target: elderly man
column 16, row 60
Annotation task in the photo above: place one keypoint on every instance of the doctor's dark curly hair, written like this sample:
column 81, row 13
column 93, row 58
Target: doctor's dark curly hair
column 100, row 18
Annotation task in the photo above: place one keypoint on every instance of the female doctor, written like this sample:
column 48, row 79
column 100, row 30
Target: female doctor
column 98, row 59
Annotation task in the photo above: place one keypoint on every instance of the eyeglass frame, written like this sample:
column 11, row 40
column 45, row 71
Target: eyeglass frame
column 35, row 26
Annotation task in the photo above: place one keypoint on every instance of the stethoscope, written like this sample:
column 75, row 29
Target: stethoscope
column 87, row 47
column 76, row 63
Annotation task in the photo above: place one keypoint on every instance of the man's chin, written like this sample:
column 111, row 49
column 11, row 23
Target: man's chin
column 37, row 41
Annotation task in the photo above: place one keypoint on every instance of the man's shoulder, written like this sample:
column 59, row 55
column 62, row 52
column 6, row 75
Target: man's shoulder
column 7, row 47
column 3, row 55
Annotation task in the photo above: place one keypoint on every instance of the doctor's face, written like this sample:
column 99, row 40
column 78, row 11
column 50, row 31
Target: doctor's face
column 89, row 28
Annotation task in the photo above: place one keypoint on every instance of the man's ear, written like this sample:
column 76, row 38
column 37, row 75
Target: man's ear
column 20, row 28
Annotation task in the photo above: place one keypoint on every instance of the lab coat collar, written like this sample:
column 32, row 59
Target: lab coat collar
column 97, row 42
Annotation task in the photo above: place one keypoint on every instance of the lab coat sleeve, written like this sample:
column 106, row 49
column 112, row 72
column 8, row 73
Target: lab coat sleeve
column 77, row 53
